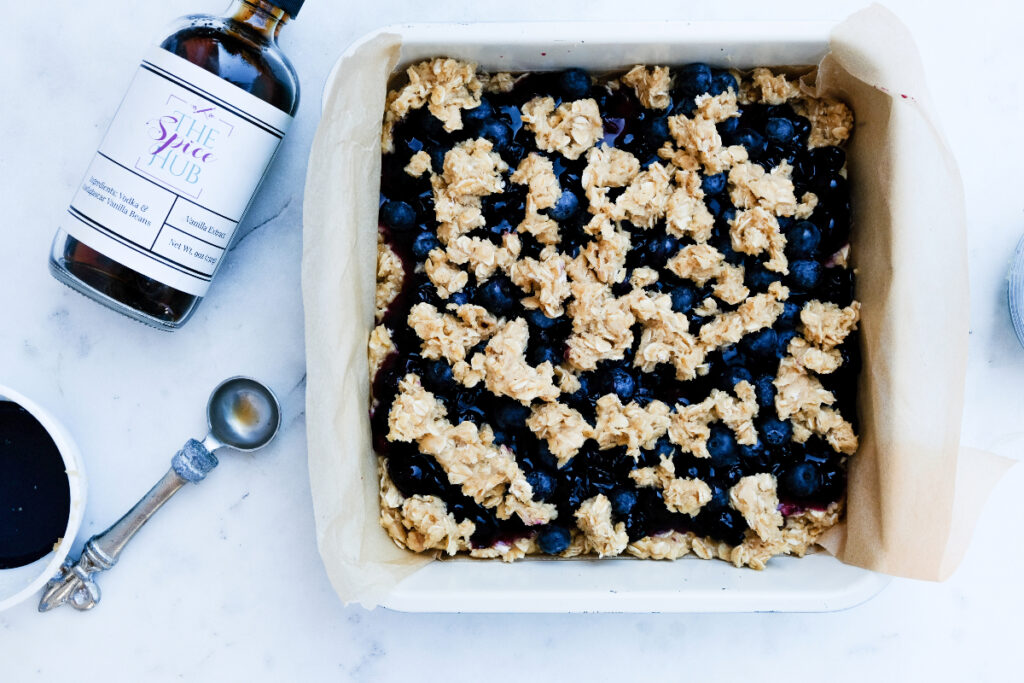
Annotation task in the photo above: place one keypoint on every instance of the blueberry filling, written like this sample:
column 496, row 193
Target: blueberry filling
column 809, row 474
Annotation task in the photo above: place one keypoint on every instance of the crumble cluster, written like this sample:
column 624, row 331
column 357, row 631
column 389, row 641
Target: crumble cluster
column 566, row 314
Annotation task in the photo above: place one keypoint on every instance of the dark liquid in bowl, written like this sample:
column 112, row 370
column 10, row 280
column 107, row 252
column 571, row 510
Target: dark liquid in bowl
column 35, row 496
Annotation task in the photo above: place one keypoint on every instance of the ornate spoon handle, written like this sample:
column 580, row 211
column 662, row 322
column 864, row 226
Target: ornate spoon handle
column 74, row 584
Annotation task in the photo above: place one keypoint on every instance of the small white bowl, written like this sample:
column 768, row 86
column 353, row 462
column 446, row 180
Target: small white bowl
column 21, row 583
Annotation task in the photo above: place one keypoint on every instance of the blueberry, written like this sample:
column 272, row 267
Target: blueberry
column 503, row 438
column 800, row 481
column 497, row 132
column 736, row 374
column 426, row 292
column 439, row 375
column 654, row 133
column 732, row 356
column 821, row 162
column 496, row 295
column 467, row 407
column 477, row 115
column 723, row 244
column 424, row 243
column 758, row 277
column 414, row 473
column 463, row 296
column 544, row 457
column 803, row 239
column 623, row 502
column 727, row 216
column 722, row 445
column 723, row 81
column 724, row 524
column 566, row 206
column 511, row 415
column 752, row 140
column 423, row 120
column 805, row 274
column 714, row 206
column 761, row 343
column 661, row 249
column 622, row 384
column 437, row 155
column 574, row 84
column 830, row 159
column 790, row 316
column 775, row 431
column 398, row 216
column 783, row 338
column 484, row 522
column 665, row 448
column 835, row 185
column 764, row 387
column 544, row 353
column 621, row 288
column 553, row 540
column 714, row 184
column 694, row 79
column 683, row 298
column 838, row 286
column 779, row 129
column 727, row 129
column 753, row 453
column 542, row 483
column 719, row 498
column 537, row 318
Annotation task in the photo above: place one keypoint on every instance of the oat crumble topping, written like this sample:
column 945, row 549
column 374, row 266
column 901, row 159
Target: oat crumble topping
column 508, row 373
column 446, row 86
column 538, row 173
column 630, row 425
column 765, row 86
column 652, row 85
column 594, row 518
column 753, row 187
column 570, row 130
column 504, row 420
column 831, row 121
column 380, row 347
column 685, row 496
column 755, row 231
column 471, row 171
column 757, row 501
column 418, row 164
column 390, row 276
column 565, row 430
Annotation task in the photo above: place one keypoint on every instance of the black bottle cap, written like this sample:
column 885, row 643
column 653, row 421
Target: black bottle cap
column 292, row 7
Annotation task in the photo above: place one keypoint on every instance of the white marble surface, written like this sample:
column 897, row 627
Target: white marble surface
column 226, row 584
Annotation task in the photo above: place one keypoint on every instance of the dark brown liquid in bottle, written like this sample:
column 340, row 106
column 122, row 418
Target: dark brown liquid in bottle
column 236, row 49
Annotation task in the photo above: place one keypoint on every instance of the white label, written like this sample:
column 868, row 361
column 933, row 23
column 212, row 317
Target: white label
column 175, row 172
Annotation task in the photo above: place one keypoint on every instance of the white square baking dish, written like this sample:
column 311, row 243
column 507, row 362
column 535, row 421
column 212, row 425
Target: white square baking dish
column 817, row 582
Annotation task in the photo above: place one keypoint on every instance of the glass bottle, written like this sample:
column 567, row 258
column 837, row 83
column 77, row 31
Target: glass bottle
column 182, row 159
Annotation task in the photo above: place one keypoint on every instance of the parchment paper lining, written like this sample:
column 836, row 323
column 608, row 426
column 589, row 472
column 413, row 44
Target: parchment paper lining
column 910, row 511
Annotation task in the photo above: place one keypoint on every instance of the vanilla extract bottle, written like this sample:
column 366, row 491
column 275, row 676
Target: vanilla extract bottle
column 152, row 220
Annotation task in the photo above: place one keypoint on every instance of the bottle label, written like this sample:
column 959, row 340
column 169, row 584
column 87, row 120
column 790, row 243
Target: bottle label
column 175, row 172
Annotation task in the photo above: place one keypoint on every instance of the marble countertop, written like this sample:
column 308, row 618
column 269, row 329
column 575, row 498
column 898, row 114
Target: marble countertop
column 226, row 584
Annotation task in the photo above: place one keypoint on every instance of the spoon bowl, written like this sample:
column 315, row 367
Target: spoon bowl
column 243, row 414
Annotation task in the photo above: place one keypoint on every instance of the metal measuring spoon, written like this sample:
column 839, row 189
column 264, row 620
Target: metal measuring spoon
column 242, row 414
